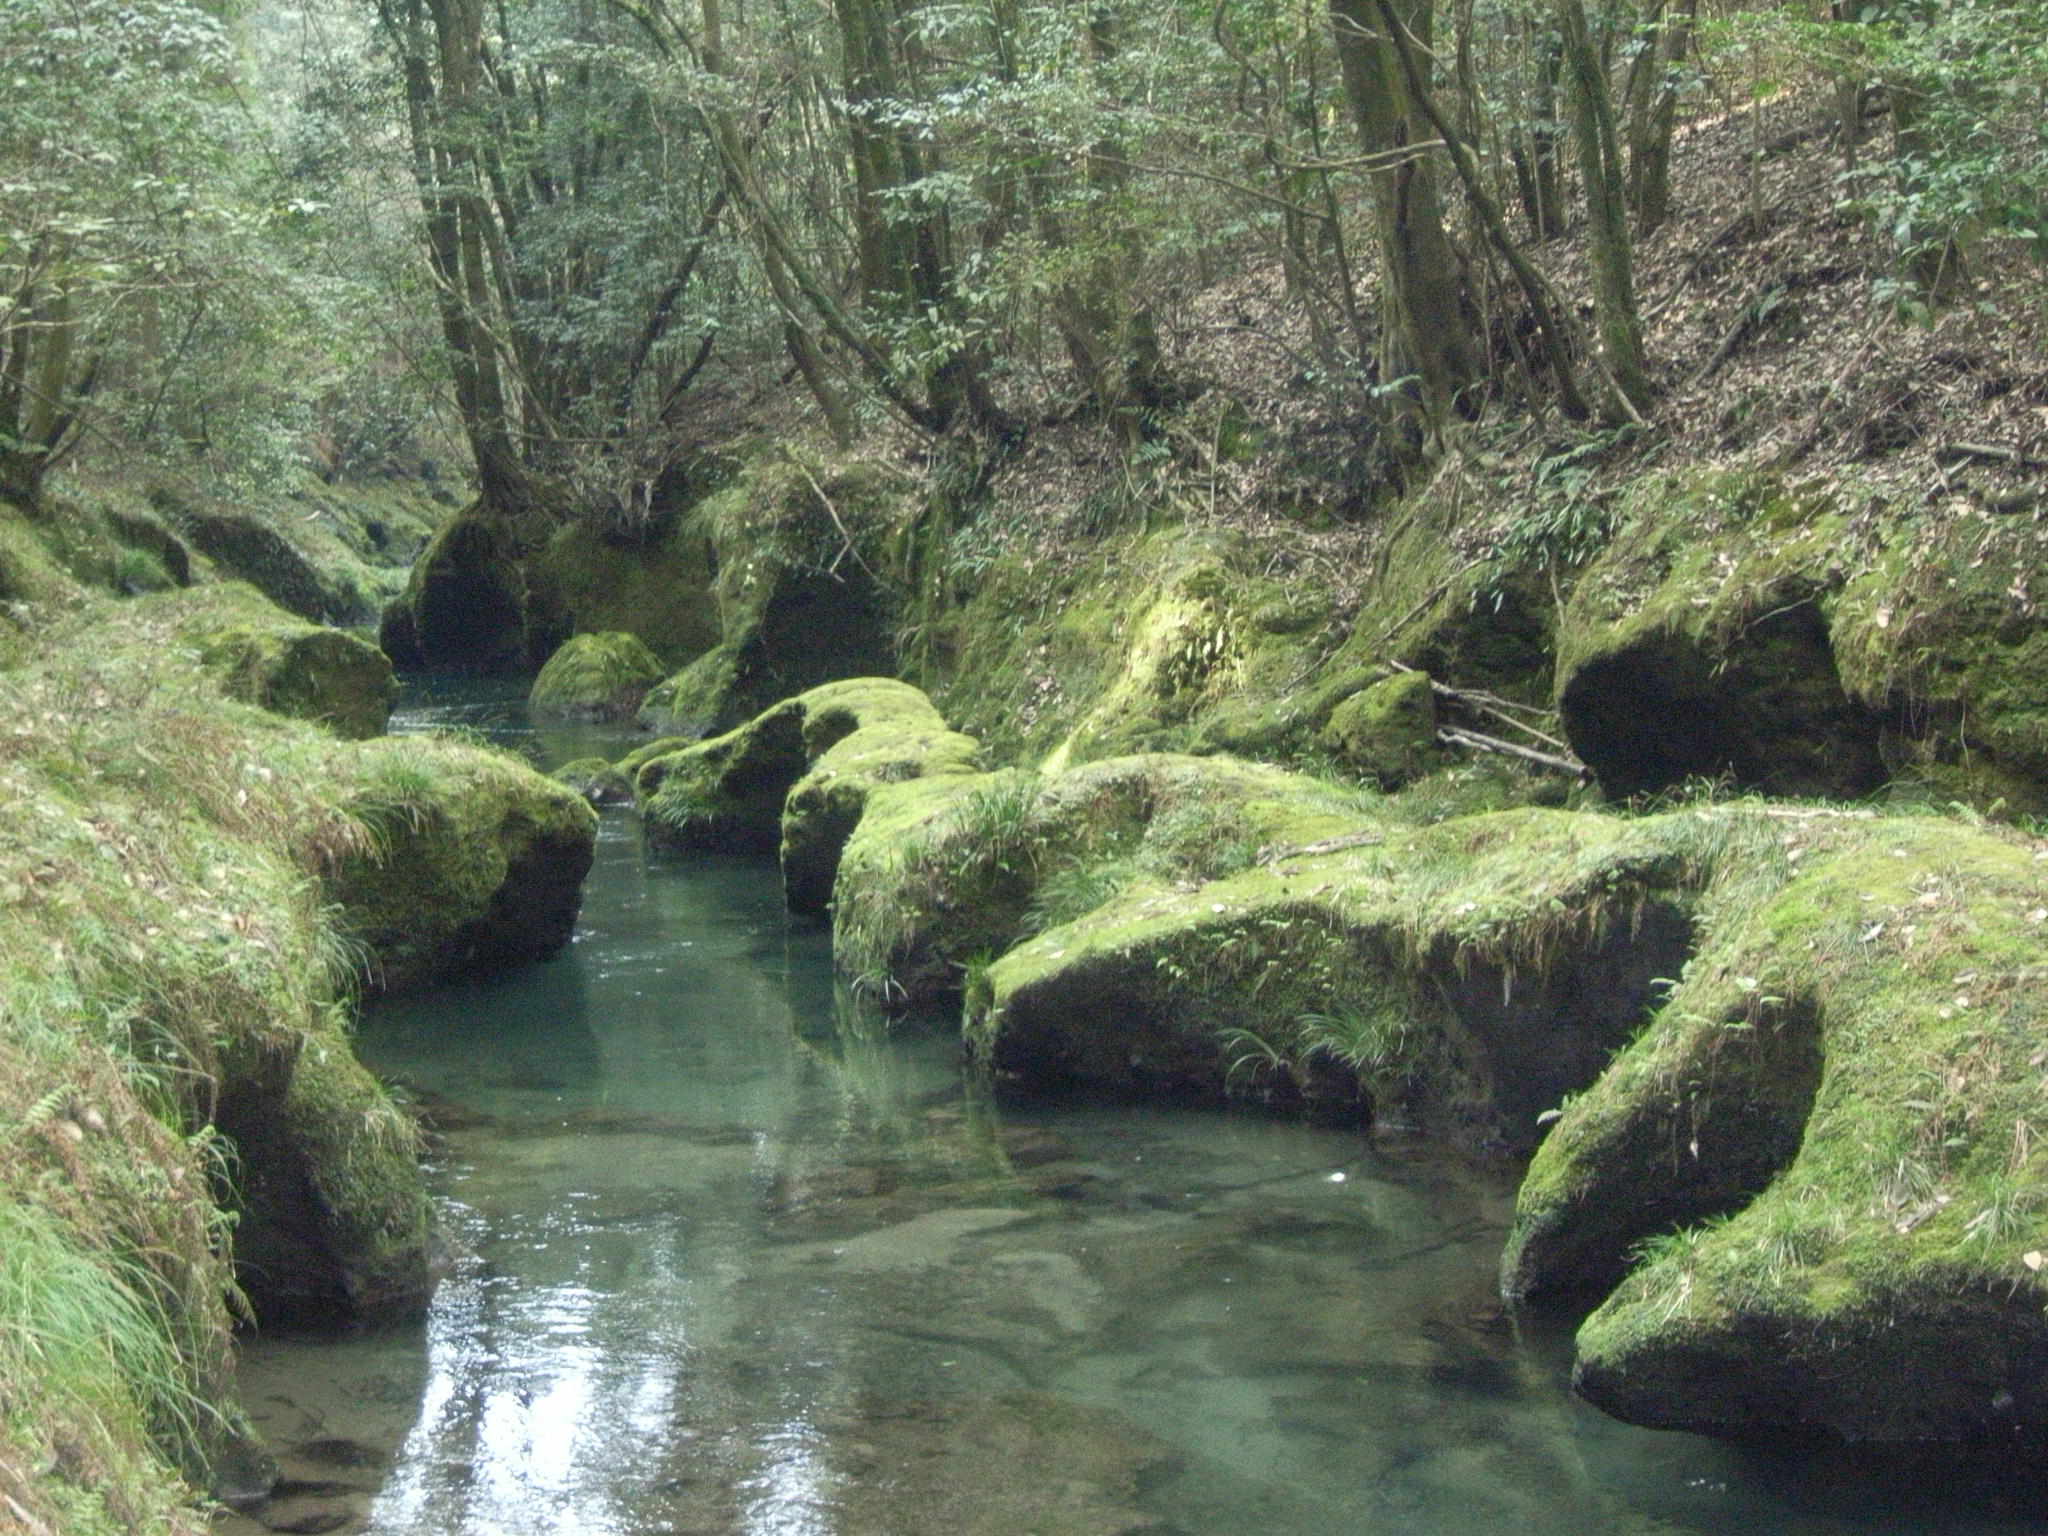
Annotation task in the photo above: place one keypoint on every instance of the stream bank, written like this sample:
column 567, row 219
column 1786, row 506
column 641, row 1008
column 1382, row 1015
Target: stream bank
column 736, row 1260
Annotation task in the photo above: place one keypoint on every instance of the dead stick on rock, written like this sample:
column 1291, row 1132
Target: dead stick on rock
column 1458, row 737
column 1327, row 845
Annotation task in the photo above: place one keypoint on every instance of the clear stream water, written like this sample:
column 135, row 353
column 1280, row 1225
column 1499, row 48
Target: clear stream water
column 736, row 1263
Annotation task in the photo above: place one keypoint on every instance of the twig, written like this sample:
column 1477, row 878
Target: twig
column 1457, row 736
column 1327, row 845
column 1990, row 453
column 845, row 548
column 1488, row 704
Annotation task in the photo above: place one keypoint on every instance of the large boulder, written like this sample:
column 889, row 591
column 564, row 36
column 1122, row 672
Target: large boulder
column 943, row 873
column 595, row 677
column 1387, row 731
column 264, row 656
column 464, row 605
column 799, row 777
column 1817, row 1168
column 476, row 862
column 1464, row 977
column 799, row 604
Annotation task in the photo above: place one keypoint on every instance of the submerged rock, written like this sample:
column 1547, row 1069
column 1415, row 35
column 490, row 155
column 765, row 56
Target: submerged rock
column 595, row 677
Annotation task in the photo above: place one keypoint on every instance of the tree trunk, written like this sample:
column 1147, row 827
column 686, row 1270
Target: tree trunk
column 1427, row 332
column 1609, row 245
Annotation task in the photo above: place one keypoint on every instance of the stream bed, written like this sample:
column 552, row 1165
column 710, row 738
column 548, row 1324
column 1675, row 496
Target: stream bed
column 735, row 1261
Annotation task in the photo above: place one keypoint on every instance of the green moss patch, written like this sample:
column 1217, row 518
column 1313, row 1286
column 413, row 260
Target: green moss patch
column 182, row 1120
column 596, row 677
column 799, row 777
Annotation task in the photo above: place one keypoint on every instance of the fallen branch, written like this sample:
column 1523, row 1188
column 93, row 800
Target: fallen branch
column 1491, row 704
column 1327, row 845
column 1990, row 453
column 1457, row 736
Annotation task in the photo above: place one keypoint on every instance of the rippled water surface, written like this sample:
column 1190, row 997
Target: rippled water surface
column 734, row 1261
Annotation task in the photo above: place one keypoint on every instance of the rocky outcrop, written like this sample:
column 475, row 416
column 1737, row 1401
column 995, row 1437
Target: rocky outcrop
column 799, row 777
column 464, row 605
column 595, row 677
column 476, row 863
column 264, row 656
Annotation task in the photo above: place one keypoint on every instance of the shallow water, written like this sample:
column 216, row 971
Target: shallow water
column 736, row 1261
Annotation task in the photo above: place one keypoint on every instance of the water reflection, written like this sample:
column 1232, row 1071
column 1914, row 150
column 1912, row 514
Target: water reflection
column 735, row 1260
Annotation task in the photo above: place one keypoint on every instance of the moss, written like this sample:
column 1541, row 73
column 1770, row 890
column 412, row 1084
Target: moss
column 1838, row 1101
column 1462, row 975
column 660, row 589
column 799, row 777
column 800, row 597
column 937, row 876
column 1387, row 731
column 597, row 781
column 596, row 677
column 30, row 574
column 263, row 656
column 478, row 861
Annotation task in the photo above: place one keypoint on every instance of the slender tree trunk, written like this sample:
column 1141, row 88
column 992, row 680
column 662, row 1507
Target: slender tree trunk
column 1653, row 115
column 1427, row 333
column 1609, row 244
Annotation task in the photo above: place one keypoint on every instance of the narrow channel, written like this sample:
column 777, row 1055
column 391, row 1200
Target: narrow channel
column 732, row 1260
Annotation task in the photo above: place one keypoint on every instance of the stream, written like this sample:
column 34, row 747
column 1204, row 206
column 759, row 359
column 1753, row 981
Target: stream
column 735, row 1261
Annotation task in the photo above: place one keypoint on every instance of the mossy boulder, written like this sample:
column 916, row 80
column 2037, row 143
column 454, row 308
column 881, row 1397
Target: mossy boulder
column 1817, row 1165
column 942, row 874
column 1463, row 976
column 478, row 862
column 265, row 656
column 336, row 1225
column 1387, row 731
column 798, row 777
column 597, row 781
column 595, row 677
column 246, row 545
column 798, row 602
column 657, row 583
column 464, row 604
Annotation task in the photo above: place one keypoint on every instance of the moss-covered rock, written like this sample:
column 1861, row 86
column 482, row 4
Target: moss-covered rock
column 247, row 546
column 1698, row 647
column 463, row 605
column 659, row 586
column 799, row 777
column 943, row 875
column 1387, row 731
column 336, row 1225
column 798, row 602
column 478, row 862
column 597, row 781
column 1463, row 976
column 264, row 656
column 1820, row 1157
column 595, row 677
